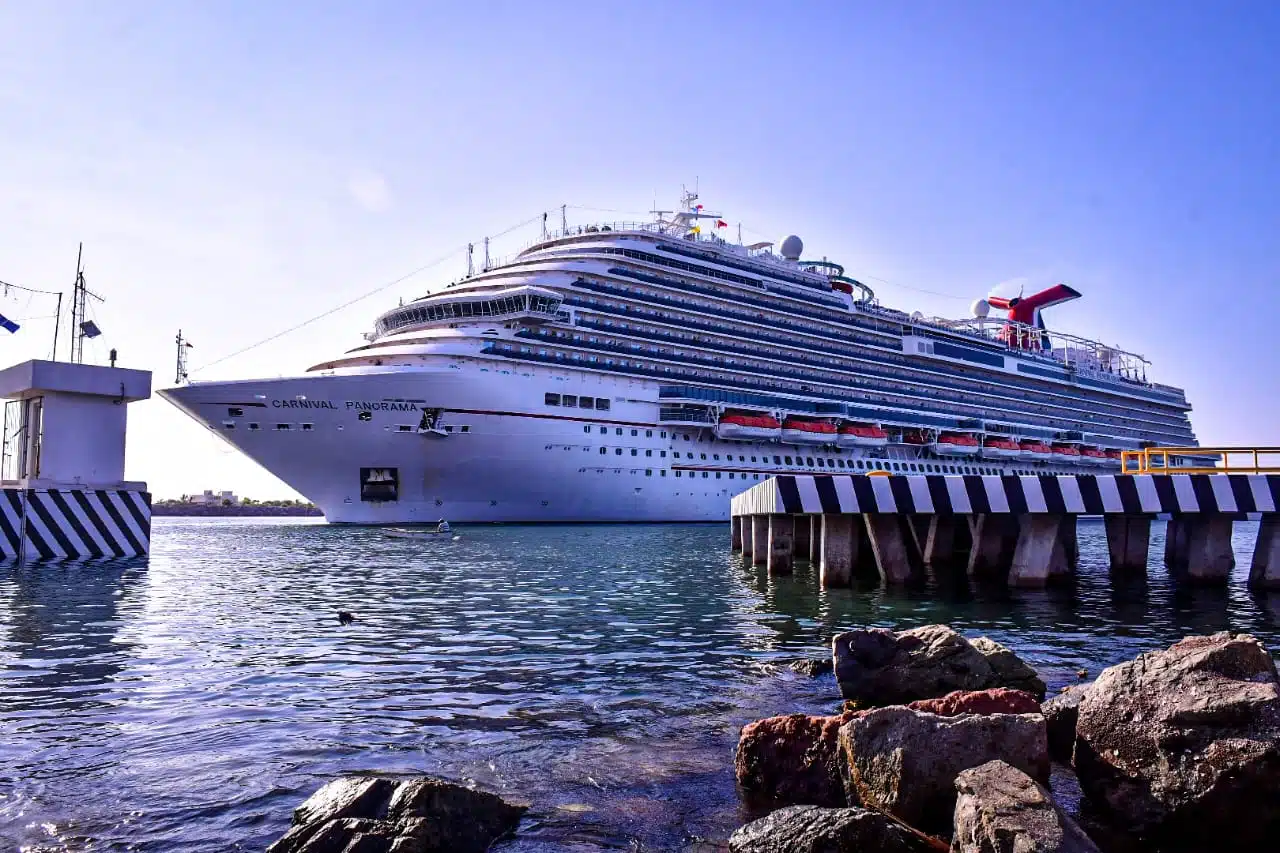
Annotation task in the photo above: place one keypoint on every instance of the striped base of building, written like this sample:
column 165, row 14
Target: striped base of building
column 51, row 524
column 1080, row 494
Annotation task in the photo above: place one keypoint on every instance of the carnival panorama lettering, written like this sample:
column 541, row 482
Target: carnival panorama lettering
column 352, row 405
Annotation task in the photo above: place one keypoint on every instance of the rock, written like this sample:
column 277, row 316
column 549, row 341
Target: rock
column 1010, row 669
column 1060, row 715
column 997, row 700
column 810, row 829
column 812, row 667
column 905, row 762
column 1000, row 809
column 370, row 814
column 884, row 667
column 791, row 760
column 1183, row 745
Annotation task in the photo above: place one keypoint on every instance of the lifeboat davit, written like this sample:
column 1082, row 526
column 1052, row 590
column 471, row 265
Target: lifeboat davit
column 799, row 431
column 996, row 447
column 1035, row 450
column 1093, row 455
column 861, row 435
column 957, row 444
column 1066, row 453
column 744, row 427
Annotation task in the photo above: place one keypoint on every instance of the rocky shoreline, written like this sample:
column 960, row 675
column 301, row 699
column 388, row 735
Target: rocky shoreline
column 942, row 743
column 247, row 511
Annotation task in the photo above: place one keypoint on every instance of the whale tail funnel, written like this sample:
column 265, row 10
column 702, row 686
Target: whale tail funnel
column 1025, row 311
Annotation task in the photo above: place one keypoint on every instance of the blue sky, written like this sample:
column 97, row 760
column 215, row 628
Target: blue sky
column 236, row 168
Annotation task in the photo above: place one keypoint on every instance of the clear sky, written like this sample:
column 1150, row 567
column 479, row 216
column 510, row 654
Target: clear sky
column 236, row 168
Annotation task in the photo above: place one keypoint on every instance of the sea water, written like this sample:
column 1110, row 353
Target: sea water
column 599, row 674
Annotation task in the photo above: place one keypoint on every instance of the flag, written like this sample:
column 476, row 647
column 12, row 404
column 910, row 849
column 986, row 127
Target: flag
column 720, row 223
column 697, row 207
column 6, row 323
column 696, row 230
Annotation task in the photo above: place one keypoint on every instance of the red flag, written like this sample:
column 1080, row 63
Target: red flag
column 720, row 223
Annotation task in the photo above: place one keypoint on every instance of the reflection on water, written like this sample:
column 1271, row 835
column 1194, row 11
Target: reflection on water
column 598, row 673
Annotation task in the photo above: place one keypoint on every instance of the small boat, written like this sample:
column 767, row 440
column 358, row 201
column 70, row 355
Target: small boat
column 1032, row 449
column 798, row 431
column 1066, row 453
column 441, row 529
column 956, row 444
column 861, row 435
column 748, row 427
column 1093, row 455
column 999, row 447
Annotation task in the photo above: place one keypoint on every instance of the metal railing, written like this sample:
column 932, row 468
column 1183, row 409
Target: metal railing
column 1198, row 460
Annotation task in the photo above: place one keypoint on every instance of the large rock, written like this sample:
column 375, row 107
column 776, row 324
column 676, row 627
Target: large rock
column 1010, row 670
column 1060, row 715
column 1000, row 809
column 791, row 760
column 369, row 814
column 1183, row 745
column 810, row 829
column 998, row 700
column 882, row 667
column 905, row 762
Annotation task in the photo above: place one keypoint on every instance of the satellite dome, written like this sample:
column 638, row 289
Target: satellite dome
column 917, row 316
column 792, row 247
column 981, row 308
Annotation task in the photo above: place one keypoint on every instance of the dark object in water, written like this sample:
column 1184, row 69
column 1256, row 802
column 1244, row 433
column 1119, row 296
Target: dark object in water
column 345, row 617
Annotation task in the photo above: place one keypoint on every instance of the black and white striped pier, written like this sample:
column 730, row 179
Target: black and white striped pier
column 56, row 524
column 1023, row 527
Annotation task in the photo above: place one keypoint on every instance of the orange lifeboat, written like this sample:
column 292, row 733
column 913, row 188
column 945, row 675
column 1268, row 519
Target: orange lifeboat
column 1113, row 456
column 1093, row 455
column 957, row 444
column 1000, row 447
column 861, row 435
column 1031, row 448
column 800, row 431
column 1066, row 453
column 744, row 426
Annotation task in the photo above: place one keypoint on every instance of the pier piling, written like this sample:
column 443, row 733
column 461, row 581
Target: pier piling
column 800, row 548
column 887, row 534
column 781, row 544
column 1128, row 540
column 815, row 539
column 735, row 533
column 1040, row 552
column 994, row 536
column 759, row 540
column 1209, row 555
column 839, row 545
column 1264, row 572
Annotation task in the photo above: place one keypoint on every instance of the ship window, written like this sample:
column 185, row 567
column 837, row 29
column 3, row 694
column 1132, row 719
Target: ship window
column 617, row 452
column 308, row 427
column 821, row 463
column 551, row 399
column 788, row 458
column 603, row 430
column 229, row 424
column 777, row 460
column 253, row 426
column 569, row 400
column 648, row 472
column 602, row 403
column 282, row 427
column 662, row 473
column 717, row 475
column 466, row 428
column 840, row 462
column 634, row 452
column 603, row 451
column 664, row 434
column 618, row 430
column 648, row 453
column 809, row 460
column 365, row 416
column 662, row 453
column 235, row 412
column 586, row 427
column 678, row 474
column 717, row 457
column 704, row 475
column 635, row 432
column 448, row 429
column 404, row 428
column 703, row 455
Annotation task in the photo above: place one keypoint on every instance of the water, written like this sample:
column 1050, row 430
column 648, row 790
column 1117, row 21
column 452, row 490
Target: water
column 599, row 674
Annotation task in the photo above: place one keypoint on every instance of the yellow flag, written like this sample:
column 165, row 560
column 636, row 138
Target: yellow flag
column 696, row 230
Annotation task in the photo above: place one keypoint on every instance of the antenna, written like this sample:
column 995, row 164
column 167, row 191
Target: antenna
column 471, row 247
column 564, row 221
column 486, row 254
column 544, row 225
column 80, row 327
column 181, row 373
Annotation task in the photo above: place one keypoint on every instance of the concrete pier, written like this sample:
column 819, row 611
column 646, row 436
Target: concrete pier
column 735, row 533
column 888, row 536
column 839, row 549
column 1264, row 572
column 781, row 551
column 1128, row 540
column 1019, row 529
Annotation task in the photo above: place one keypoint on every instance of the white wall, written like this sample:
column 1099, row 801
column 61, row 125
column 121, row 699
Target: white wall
column 84, row 439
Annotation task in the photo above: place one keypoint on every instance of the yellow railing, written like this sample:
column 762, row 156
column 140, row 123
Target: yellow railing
column 1231, row 460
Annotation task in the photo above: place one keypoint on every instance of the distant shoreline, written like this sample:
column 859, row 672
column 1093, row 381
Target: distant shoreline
column 209, row 510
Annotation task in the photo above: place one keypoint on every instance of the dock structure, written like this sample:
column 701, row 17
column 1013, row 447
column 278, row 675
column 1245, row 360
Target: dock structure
column 1019, row 528
column 62, row 487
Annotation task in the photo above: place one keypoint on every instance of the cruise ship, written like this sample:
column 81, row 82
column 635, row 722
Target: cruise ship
column 649, row 371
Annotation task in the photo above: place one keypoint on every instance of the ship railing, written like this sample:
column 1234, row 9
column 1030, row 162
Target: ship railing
column 684, row 416
column 1201, row 460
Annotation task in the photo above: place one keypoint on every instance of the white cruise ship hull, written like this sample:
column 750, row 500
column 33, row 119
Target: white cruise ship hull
column 509, row 457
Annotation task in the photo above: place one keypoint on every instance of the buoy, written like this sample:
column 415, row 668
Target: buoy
column 345, row 618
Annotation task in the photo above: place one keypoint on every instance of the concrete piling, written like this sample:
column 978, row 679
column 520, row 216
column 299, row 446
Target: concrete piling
column 1128, row 539
column 1264, row 572
column 801, row 547
column 940, row 540
column 994, row 537
column 835, row 567
column 1175, row 543
column 1209, row 555
column 888, row 542
column 781, row 548
column 1040, row 551
column 815, row 539
column 735, row 532
column 759, row 540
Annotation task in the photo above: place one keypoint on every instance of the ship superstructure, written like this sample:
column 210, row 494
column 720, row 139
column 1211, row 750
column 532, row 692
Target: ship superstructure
column 649, row 371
